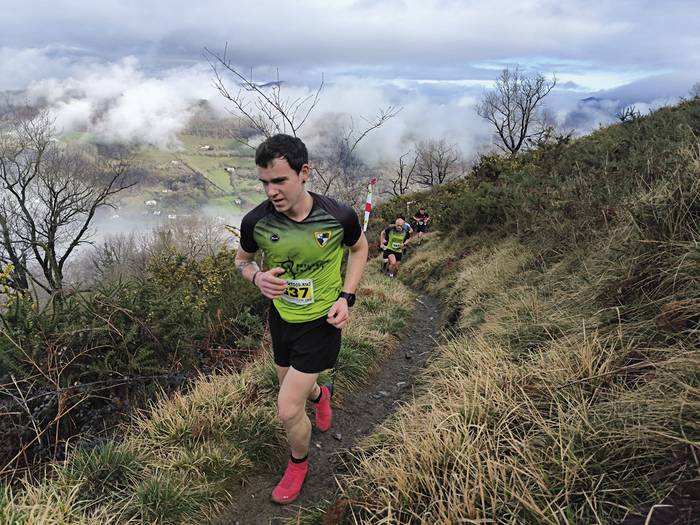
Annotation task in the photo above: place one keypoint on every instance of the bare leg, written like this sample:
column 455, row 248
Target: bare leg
column 296, row 388
column 282, row 372
column 392, row 264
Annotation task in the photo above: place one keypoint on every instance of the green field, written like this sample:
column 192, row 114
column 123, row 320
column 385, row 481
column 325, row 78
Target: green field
column 207, row 157
column 225, row 189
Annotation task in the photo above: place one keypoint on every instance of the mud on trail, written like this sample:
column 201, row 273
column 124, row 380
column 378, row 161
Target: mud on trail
column 359, row 414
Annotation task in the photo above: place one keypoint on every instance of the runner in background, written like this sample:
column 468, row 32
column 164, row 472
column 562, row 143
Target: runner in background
column 421, row 219
column 392, row 241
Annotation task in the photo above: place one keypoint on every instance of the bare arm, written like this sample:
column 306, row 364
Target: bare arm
column 382, row 240
column 339, row 313
column 356, row 264
column 245, row 264
column 269, row 284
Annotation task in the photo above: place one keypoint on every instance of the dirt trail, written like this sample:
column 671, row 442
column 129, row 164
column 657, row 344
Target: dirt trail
column 360, row 412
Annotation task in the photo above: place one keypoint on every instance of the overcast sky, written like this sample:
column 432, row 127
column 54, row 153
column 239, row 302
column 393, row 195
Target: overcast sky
column 433, row 57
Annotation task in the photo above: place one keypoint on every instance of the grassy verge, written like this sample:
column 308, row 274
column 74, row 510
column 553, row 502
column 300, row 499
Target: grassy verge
column 182, row 460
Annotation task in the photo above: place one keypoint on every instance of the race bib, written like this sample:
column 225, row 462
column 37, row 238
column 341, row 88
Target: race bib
column 396, row 245
column 420, row 222
column 299, row 291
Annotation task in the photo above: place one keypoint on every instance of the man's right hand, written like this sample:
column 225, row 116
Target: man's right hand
column 270, row 285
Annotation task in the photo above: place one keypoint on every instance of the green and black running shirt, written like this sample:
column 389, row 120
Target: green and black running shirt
column 310, row 251
column 395, row 239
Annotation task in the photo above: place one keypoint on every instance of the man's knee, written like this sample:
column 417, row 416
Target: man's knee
column 288, row 412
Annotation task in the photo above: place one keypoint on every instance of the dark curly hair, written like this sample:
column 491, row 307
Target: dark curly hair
column 282, row 146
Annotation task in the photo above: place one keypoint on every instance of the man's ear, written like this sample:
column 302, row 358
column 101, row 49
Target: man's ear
column 304, row 173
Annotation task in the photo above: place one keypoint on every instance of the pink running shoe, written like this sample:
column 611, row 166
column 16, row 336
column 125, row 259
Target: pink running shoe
column 289, row 487
column 324, row 416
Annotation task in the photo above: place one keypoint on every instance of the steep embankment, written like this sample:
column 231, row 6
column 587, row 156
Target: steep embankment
column 569, row 390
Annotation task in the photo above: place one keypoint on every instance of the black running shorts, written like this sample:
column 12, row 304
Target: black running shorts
column 387, row 253
column 421, row 228
column 310, row 347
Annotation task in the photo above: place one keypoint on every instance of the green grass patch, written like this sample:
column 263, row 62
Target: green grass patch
column 104, row 471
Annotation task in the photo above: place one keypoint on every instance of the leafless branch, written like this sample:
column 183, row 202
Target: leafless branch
column 262, row 106
column 49, row 194
column 513, row 107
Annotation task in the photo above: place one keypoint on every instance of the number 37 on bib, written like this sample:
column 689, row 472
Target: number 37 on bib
column 299, row 291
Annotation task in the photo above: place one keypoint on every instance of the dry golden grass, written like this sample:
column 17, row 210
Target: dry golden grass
column 45, row 505
column 555, row 438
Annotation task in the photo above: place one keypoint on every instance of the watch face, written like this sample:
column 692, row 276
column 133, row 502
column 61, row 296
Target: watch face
column 349, row 297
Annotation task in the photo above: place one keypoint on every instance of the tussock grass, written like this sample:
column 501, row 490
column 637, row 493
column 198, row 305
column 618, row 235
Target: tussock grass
column 49, row 505
column 468, row 274
column 569, row 390
column 554, row 438
column 182, row 460
column 432, row 259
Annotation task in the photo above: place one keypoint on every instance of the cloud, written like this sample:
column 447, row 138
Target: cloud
column 20, row 66
column 120, row 102
column 123, row 101
column 428, row 35
column 128, row 69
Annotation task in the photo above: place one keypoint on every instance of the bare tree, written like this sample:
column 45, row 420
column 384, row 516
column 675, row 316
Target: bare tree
column 514, row 108
column 49, row 195
column 695, row 91
column 337, row 166
column 265, row 109
column 628, row 114
column 437, row 162
column 403, row 174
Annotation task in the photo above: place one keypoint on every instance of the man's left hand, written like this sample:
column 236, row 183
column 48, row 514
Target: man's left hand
column 339, row 313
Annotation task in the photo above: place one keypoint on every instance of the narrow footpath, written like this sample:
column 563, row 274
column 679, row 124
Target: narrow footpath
column 359, row 414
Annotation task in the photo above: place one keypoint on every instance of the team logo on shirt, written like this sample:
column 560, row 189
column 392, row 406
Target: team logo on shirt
column 322, row 238
column 274, row 237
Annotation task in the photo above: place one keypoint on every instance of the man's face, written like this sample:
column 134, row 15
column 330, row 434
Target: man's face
column 399, row 225
column 283, row 186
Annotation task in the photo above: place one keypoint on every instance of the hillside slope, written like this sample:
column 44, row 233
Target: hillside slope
column 569, row 388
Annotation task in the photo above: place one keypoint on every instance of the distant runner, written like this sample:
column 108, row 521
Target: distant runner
column 392, row 241
column 421, row 219
column 303, row 236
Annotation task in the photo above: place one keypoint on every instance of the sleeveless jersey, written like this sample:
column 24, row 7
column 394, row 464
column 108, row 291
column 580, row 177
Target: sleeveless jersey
column 310, row 251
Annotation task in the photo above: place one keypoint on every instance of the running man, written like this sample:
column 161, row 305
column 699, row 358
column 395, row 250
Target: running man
column 303, row 236
column 392, row 241
column 421, row 219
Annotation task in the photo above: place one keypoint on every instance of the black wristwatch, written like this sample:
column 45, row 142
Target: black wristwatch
column 349, row 297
